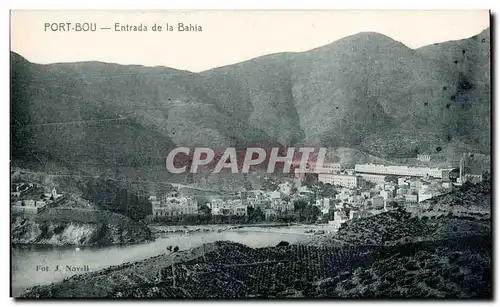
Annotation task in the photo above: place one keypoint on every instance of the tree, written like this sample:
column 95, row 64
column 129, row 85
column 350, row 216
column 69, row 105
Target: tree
column 283, row 243
column 305, row 212
column 368, row 185
column 299, row 205
column 312, row 213
column 255, row 215
column 205, row 209
column 327, row 190
column 486, row 176
column 329, row 216
column 391, row 178
column 176, row 249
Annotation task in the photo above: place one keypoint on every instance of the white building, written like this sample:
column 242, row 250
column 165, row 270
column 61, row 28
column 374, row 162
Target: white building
column 354, row 199
column 377, row 201
column 403, row 181
column 327, row 168
column 343, row 195
column 15, row 194
column 240, row 210
column 29, row 207
column 399, row 170
column 174, row 206
column 274, row 195
column 387, row 194
column 323, row 205
column 411, row 198
column 339, row 218
column 270, row 214
column 230, row 207
column 429, row 191
column 354, row 214
column 447, row 185
column 365, row 194
column 303, row 189
column 472, row 178
column 283, row 206
column 348, row 181
column 424, row 195
column 372, row 177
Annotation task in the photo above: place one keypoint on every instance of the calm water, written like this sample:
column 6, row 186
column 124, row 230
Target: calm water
column 26, row 260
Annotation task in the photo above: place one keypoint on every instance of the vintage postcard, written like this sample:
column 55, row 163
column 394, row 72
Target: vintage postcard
column 251, row 154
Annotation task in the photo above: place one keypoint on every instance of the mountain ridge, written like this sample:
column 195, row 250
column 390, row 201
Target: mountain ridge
column 365, row 91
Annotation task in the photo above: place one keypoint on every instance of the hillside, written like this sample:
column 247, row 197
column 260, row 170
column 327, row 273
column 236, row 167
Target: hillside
column 80, row 227
column 366, row 92
column 225, row 270
column 468, row 61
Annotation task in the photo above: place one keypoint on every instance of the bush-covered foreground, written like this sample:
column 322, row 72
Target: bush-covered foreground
column 445, row 269
column 392, row 255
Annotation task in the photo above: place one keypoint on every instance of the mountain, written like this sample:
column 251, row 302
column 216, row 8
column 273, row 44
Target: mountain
column 365, row 91
column 469, row 96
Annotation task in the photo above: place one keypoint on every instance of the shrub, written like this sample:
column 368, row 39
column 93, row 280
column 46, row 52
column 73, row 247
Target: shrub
column 283, row 243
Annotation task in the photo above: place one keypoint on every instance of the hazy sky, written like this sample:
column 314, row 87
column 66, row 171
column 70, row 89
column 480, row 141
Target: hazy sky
column 227, row 37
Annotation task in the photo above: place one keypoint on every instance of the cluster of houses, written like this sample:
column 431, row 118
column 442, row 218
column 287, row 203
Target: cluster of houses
column 360, row 190
column 352, row 203
column 369, row 189
column 30, row 199
column 270, row 203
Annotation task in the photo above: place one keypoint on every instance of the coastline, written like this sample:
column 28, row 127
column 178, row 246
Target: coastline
column 294, row 228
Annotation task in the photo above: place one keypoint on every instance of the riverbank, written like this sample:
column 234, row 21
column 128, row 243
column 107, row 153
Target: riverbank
column 116, row 276
column 269, row 228
column 228, row 270
column 26, row 259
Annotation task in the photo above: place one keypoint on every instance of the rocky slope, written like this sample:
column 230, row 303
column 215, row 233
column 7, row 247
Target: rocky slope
column 79, row 227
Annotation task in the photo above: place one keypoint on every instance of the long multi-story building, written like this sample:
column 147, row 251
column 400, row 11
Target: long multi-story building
column 343, row 180
column 400, row 170
column 373, row 177
column 229, row 207
column 327, row 168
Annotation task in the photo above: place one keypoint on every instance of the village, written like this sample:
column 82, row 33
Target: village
column 331, row 194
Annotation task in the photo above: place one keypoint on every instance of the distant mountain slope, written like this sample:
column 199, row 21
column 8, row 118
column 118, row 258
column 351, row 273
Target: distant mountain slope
column 365, row 91
column 469, row 98
column 259, row 92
